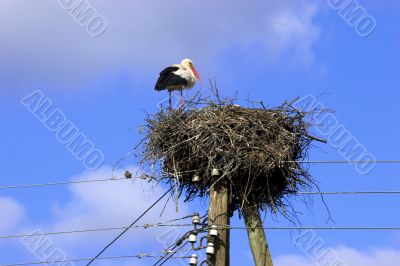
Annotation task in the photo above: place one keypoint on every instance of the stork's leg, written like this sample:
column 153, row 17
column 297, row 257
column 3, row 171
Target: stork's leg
column 180, row 100
column 169, row 100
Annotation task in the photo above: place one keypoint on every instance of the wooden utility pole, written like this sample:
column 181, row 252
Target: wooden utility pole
column 257, row 238
column 218, row 214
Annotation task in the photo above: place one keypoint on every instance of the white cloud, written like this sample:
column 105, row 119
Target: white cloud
column 98, row 205
column 43, row 44
column 12, row 214
column 350, row 257
column 110, row 204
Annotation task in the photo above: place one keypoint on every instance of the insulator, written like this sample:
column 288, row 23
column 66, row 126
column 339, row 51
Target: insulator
column 193, row 260
column 196, row 218
column 210, row 248
column 196, row 178
column 213, row 230
column 215, row 172
column 193, row 237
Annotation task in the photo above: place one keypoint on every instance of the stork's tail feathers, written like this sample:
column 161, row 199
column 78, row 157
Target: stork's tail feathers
column 158, row 87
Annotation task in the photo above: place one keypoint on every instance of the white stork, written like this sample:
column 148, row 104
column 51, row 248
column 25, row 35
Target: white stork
column 177, row 77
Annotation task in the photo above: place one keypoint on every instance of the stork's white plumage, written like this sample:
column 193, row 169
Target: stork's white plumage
column 177, row 77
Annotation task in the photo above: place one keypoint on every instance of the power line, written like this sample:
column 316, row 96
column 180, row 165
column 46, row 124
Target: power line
column 166, row 223
column 178, row 243
column 145, row 226
column 132, row 224
column 120, row 179
column 344, row 161
column 139, row 256
column 311, row 228
column 163, row 257
column 61, row 183
column 345, row 192
column 172, row 254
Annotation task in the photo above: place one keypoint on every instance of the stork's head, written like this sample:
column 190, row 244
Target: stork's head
column 188, row 63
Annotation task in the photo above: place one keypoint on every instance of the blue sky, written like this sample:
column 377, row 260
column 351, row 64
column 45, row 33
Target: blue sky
column 266, row 50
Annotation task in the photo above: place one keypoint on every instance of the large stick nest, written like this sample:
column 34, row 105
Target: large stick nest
column 255, row 150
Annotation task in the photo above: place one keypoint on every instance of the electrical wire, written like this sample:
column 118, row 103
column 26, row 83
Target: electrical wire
column 102, row 180
column 162, row 224
column 172, row 254
column 77, row 231
column 139, row 256
column 310, row 228
column 345, row 192
column 132, row 224
column 116, row 179
column 119, row 179
column 181, row 239
column 202, row 229
column 343, row 161
column 163, row 257
column 62, row 183
column 175, row 245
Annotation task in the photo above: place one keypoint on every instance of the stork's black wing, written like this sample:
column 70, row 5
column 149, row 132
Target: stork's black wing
column 169, row 78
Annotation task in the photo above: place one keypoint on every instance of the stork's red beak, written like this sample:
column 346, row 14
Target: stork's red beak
column 195, row 73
